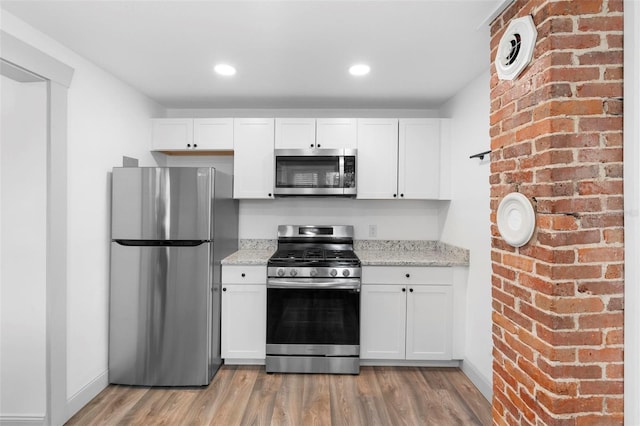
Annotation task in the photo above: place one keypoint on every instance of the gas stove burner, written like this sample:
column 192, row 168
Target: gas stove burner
column 314, row 252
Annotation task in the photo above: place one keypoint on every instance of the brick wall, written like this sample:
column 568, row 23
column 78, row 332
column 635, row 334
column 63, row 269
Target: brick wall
column 556, row 136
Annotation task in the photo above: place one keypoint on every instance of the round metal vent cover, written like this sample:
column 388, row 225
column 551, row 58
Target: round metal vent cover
column 516, row 48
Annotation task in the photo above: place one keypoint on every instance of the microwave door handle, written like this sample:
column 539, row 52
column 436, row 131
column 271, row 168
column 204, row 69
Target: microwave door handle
column 341, row 168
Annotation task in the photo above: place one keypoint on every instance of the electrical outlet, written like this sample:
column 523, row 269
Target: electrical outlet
column 373, row 231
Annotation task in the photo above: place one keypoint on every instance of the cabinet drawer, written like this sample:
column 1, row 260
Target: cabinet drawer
column 242, row 274
column 407, row 275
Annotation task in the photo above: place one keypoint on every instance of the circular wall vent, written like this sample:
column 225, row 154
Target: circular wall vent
column 516, row 48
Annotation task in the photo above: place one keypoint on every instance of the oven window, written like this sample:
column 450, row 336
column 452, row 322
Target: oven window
column 319, row 317
column 306, row 172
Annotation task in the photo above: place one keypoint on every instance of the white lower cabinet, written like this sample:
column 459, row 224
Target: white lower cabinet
column 244, row 319
column 406, row 313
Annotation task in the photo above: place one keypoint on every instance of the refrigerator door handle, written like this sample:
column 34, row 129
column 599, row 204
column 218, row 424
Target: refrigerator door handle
column 160, row 243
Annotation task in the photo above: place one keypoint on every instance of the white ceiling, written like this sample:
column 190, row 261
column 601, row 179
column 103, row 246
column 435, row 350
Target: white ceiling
column 289, row 54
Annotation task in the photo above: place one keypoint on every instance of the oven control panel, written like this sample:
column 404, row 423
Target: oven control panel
column 313, row 272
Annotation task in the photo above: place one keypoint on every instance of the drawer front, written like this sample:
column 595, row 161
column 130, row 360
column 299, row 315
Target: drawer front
column 407, row 275
column 242, row 274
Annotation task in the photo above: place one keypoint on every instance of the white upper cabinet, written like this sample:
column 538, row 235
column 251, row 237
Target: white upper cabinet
column 322, row 133
column 377, row 166
column 336, row 133
column 171, row 134
column 213, row 133
column 253, row 163
column 185, row 134
column 423, row 165
column 295, row 133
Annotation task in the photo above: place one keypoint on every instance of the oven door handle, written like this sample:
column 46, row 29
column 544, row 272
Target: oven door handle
column 315, row 283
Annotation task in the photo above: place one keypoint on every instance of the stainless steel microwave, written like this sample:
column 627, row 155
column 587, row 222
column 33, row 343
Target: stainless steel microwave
column 312, row 172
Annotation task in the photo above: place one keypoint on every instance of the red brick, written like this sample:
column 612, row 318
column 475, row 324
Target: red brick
column 571, row 206
column 569, row 305
column 614, row 371
column 558, row 405
column 568, row 371
column 599, row 124
column 561, row 239
column 503, row 322
column 568, row 140
column 601, row 58
column 600, row 187
column 601, row 287
column 567, row 355
column 551, row 288
column 613, row 235
column 572, row 7
column 502, row 297
column 600, row 419
column 613, row 73
column 600, row 355
column 600, row 155
column 569, row 338
column 615, row 304
column 599, row 90
column 615, row 41
column 573, row 41
column 614, row 337
column 601, row 387
column 602, row 220
column 518, row 318
column 600, row 254
column 518, row 262
column 598, row 321
column 614, row 271
column 545, row 127
column 554, row 322
column 613, row 106
column 600, row 23
column 557, row 222
column 574, row 74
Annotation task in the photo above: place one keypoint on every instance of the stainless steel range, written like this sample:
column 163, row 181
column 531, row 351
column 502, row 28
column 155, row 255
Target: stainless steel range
column 313, row 301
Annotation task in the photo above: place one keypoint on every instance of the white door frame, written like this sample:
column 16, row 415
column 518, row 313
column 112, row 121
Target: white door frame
column 631, row 208
column 20, row 55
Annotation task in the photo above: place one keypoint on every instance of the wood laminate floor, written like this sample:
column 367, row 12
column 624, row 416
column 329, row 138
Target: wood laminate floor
column 246, row 395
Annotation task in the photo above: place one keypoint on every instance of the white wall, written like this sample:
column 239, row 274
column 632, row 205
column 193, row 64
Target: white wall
column 23, row 187
column 106, row 120
column 467, row 222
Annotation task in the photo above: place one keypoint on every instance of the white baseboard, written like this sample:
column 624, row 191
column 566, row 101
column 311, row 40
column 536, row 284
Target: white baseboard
column 86, row 394
column 12, row 420
column 484, row 386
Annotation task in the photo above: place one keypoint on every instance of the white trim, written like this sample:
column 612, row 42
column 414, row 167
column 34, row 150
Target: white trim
column 408, row 363
column 9, row 420
column 59, row 77
column 473, row 373
column 631, row 208
column 87, row 393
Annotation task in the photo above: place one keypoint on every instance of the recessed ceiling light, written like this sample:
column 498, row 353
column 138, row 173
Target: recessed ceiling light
column 359, row 69
column 224, row 69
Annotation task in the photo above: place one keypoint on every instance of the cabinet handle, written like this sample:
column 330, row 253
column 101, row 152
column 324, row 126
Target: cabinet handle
column 407, row 275
column 411, row 290
column 404, row 289
column 224, row 289
column 242, row 275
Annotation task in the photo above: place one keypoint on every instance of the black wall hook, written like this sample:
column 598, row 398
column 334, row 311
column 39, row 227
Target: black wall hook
column 480, row 155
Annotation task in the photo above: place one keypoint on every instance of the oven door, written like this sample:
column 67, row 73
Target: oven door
column 309, row 316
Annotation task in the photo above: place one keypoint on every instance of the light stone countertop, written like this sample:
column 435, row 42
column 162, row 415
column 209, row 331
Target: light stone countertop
column 370, row 252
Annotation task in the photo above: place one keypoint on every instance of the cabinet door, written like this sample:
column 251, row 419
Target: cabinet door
column 253, row 162
column 419, row 159
column 295, row 133
column 171, row 134
column 336, row 133
column 382, row 321
column 429, row 322
column 244, row 321
column 377, row 166
column 213, row 133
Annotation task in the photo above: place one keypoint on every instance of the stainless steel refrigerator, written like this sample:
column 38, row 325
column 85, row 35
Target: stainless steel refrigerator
column 170, row 228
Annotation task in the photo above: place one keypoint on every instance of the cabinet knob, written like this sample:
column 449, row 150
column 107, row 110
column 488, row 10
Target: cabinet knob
column 318, row 145
column 407, row 275
column 311, row 146
column 188, row 145
column 224, row 289
column 195, row 145
column 402, row 195
column 404, row 289
column 269, row 194
column 411, row 290
column 395, row 195
column 243, row 275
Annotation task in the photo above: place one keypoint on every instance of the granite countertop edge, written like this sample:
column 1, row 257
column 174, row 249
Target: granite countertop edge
column 370, row 252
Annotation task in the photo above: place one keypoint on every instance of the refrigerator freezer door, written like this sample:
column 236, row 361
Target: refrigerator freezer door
column 161, row 316
column 161, row 203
